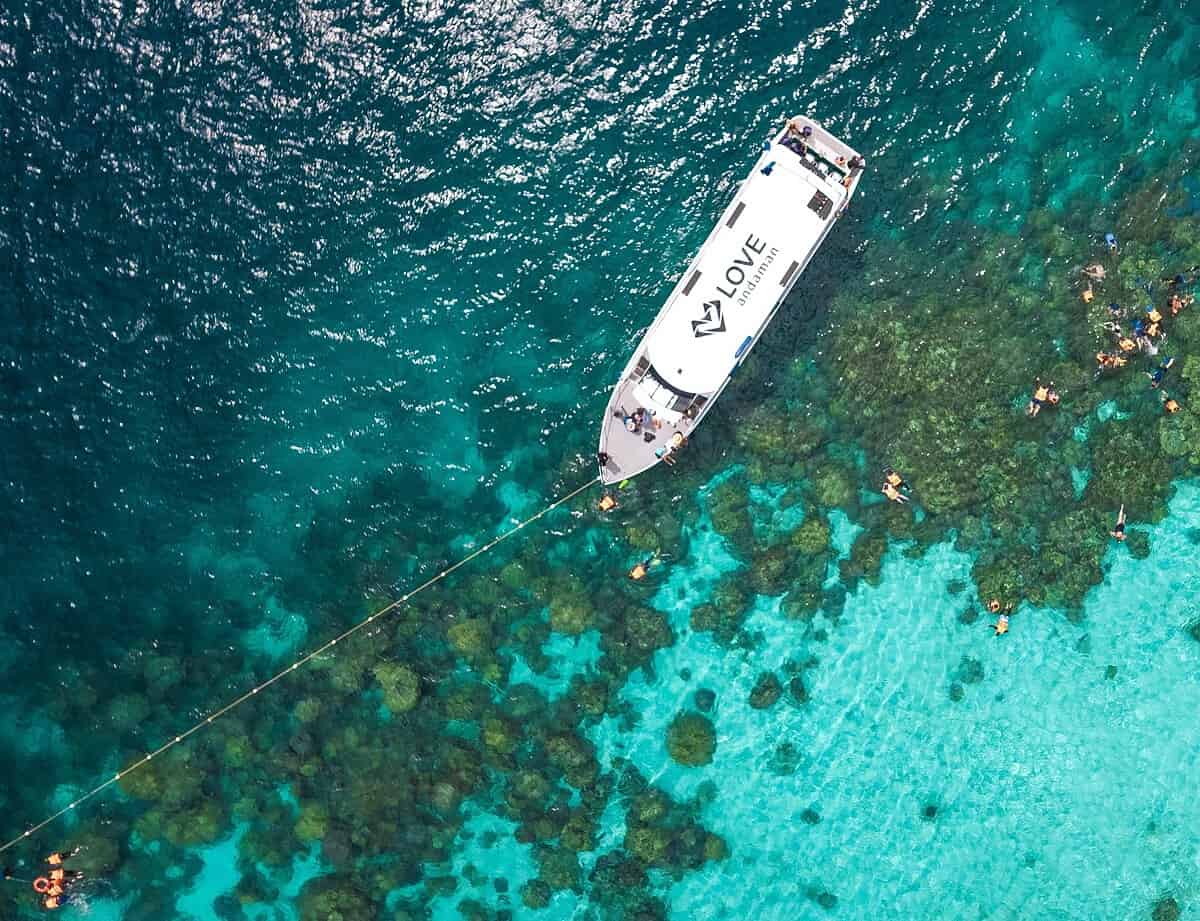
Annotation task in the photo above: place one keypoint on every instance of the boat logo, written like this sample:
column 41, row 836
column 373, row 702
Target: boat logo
column 712, row 322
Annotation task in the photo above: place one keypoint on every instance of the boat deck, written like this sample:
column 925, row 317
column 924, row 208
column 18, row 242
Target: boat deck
column 725, row 299
column 629, row 453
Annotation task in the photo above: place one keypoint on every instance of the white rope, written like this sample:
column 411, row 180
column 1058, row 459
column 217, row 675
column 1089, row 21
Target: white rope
column 304, row 660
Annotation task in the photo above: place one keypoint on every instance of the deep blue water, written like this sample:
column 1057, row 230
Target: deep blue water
column 300, row 301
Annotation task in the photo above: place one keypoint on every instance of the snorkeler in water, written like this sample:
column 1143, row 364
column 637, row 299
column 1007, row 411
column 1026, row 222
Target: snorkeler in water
column 891, row 476
column 1107, row 360
column 642, row 569
column 1041, row 396
column 52, row 885
column 1156, row 376
column 994, row 606
column 1119, row 531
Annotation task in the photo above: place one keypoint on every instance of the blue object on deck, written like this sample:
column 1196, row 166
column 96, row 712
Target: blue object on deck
column 766, row 170
column 741, row 349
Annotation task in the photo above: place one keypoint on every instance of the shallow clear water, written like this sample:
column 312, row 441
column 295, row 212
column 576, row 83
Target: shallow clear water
column 300, row 303
column 1059, row 790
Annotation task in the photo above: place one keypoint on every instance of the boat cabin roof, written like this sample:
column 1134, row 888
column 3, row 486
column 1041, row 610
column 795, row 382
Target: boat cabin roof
column 766, row 236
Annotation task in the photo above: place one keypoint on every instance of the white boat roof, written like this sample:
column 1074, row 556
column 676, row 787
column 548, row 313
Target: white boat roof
column 766, row 236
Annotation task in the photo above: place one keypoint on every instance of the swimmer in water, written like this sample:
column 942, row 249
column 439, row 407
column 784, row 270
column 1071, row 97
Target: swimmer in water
column 642, row 569
column 1156, row 376
column 891, row 476
column 1041, row 396
column 1119, row 531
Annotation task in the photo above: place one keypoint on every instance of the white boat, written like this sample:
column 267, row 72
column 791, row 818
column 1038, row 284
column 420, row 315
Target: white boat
column 729, row 294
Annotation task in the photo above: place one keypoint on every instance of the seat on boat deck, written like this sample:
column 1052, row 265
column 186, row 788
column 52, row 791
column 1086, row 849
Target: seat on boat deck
column 651, row 392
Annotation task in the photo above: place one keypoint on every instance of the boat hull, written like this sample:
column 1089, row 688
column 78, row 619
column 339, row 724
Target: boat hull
column 726, row 298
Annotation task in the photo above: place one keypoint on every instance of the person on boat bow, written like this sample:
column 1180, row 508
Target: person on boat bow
column 798, row 136
column 667, row 454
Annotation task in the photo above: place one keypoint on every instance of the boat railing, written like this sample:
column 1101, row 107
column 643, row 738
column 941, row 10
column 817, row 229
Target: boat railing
column 828, row 146
column 820, row 152
column 640, row 369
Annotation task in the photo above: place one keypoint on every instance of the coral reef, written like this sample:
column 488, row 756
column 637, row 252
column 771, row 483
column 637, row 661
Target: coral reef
column 766, row 691
column 663, row 834
column 536, row 894
column 1166, row 909
column 335, row 898
column 691, row 739
column 400, row 684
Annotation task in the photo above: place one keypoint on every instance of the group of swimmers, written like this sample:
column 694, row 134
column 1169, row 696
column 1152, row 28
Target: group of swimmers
column 640, row 570
column 51, row 886
column 994, row 606
column 1144, row 334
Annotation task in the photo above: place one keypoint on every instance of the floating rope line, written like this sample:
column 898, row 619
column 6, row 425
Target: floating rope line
column 218, row 713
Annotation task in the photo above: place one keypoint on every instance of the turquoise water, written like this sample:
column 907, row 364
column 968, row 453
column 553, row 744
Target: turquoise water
column 303, row 303
column 1059, row 788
